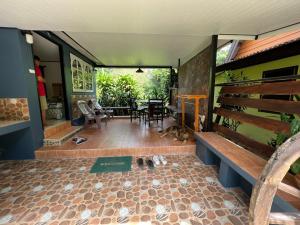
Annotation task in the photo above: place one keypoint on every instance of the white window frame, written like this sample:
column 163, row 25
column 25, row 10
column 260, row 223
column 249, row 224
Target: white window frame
column 84, row 75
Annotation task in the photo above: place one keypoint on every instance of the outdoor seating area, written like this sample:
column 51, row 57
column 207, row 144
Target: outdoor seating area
column 121, row 137
column 150, row 112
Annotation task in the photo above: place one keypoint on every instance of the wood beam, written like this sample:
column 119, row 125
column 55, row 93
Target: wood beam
column 211, row 84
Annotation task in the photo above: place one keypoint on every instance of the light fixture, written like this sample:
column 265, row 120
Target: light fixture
column 28, row 36
column 139, row 70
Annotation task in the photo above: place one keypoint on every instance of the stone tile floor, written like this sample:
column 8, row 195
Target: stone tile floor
column 185, row 191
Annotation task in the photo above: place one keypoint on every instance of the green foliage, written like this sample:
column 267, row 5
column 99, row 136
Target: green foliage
column 295, row 168
column 106, row 89
column 281, row 138
column 115, row 90
column 126, row 87
column 158, row 85
column 222, row 54
column 295, row 126
column 231, row 77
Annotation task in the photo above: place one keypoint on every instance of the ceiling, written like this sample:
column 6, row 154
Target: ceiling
column 148, row 32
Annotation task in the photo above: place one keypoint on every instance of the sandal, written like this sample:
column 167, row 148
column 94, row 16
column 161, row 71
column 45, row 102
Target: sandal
column 140, row 163
column 163, row 160
column 150, row 164
column 80, row 140
column 156, row 160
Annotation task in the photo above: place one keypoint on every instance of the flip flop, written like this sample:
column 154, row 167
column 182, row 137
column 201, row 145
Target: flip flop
column 140, row 163
column 75, row 139
column 150, row 164
column 163, row 160
column 80, row 141
column 156, row 160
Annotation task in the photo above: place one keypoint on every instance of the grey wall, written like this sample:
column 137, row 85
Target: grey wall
column 193, row 79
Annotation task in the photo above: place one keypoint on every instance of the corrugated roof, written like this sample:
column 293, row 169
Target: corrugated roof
column 248, row 48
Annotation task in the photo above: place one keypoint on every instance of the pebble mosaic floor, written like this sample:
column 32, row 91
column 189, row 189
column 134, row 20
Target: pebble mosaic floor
column 183, row 192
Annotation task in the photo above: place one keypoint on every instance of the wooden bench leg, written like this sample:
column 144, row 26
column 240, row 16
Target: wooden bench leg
column 227, row 176
column 206, row 156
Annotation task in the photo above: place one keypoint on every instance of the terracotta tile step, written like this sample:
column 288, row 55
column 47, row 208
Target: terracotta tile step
column 60, row 137
column 44, row 153
column 51, row 130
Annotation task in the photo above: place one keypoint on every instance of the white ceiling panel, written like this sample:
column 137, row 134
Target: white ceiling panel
column 148, row 31
column 141, row 49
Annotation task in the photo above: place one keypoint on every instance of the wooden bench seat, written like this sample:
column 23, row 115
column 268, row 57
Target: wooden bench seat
column 237, row 164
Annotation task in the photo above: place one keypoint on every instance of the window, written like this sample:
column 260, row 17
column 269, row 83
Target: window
column 82, row 75
column 222, row 54
column 287, row 71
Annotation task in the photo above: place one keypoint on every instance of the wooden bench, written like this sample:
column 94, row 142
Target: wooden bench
column 240, row 158
column 238, row 166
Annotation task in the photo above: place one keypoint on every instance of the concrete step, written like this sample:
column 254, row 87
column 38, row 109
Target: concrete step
column 53, row 129
column 61, row 136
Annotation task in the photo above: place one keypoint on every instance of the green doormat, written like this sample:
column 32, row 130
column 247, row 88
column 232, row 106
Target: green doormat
column 112, row 164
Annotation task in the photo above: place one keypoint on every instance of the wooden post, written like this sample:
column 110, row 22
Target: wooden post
column 211, row 88
column 196, row 98
column 182, row 112
column 196, row 121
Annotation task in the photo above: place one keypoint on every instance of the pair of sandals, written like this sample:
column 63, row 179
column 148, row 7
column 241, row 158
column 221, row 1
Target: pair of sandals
column 159, row 159
column 79, row 140
column 149, row 163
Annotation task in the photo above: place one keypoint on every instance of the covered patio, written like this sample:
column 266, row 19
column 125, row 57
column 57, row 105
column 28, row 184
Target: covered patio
column 119, row 138
column 239, row 109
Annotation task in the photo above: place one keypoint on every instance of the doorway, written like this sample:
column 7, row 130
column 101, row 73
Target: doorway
column 51, row 69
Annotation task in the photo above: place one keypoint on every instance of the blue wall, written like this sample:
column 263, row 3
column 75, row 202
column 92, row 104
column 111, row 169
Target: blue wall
column 12, row 79
column 16, row 82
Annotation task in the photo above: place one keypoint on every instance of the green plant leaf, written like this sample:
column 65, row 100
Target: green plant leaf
column 295, row 168
column 295, row 126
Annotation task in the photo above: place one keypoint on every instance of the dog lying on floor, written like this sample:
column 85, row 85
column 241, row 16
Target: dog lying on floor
column 179, row 133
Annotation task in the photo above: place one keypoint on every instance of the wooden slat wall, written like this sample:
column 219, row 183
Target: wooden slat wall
column 291, row 107
column 266, row 123
column 235, row 96
column 263, row 150
column 274, row 88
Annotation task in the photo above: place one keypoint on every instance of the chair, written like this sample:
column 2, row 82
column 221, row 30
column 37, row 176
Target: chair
column 135, row 110
column 90, row 115
column 155, row 111
column 98, row 108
